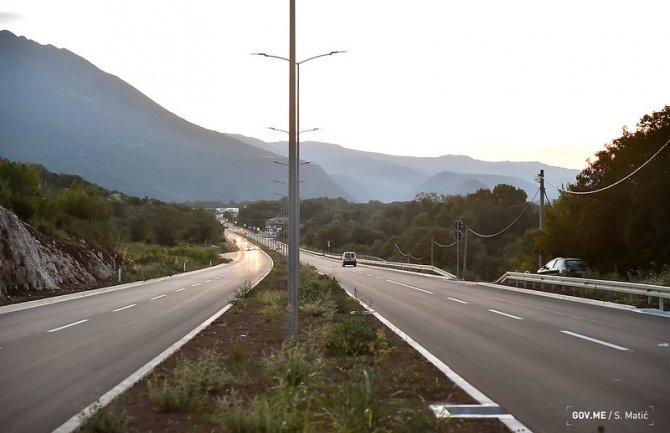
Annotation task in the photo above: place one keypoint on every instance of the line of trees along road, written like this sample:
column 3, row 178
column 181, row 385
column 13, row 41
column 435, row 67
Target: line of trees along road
column 622, row 232
column 375, row 228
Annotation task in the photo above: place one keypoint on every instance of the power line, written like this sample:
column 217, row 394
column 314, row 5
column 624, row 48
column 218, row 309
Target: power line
column 615, row 183
column 510, row 225
column 444, row 246
column 408, row 254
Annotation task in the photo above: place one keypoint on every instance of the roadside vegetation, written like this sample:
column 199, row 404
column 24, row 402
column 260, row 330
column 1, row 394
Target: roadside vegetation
column 153, row 238
column 345, row 373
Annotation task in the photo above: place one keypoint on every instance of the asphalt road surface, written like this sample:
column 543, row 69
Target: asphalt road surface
column 556, row 365
column 57, row 358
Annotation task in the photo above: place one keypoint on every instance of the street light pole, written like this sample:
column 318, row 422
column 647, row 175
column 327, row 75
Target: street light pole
column 294, row 173
column 293, row 191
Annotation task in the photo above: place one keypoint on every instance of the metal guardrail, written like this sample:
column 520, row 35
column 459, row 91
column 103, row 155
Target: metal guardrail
column 514, row 278
column 409, row 267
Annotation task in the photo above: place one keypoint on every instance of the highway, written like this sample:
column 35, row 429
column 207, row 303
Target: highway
column 556, row 365
column 59, row 357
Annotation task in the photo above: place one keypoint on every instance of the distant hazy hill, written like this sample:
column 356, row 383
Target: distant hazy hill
column 450, row 183
column 377, row 176
column 59, row 110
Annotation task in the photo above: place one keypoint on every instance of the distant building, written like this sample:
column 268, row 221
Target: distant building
column 276, row 224
column 235, row 211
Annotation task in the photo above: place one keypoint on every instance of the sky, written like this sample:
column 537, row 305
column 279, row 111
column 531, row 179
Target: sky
column 516, row 80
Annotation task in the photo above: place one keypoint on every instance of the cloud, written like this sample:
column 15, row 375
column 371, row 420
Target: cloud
column 8, row 17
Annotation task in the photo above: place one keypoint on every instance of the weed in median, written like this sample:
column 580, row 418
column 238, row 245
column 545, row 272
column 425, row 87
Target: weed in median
column 108, row 419
column 355, row 337
column 294, row 365
column 241, row 294
column 185, row 388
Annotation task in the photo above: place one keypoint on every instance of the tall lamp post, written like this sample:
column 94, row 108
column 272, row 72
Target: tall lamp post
column 294, row 172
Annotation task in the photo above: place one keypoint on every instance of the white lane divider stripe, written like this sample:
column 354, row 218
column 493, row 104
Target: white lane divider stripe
column 195, row 285
column 124, row 308
column 594, row 340
column 179, row 290
column 410, row 287
column 506, row 315
column 208, row 281
column 158, row 297
column 68, row 325
column 457, row 300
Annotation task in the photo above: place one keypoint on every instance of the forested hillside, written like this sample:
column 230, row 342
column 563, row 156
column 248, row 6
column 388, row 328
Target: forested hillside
column 147, row 238
column 399, row 230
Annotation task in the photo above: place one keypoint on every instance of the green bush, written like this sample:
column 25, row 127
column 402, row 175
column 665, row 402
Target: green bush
column 354, row 337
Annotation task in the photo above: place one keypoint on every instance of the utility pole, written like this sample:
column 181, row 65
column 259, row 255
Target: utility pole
column 431, row 251
column 541, row 211
column 465, row 252
column 457, row 234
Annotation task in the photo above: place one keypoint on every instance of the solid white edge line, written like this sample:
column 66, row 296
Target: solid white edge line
column 68, row 325
column 124, row 308
column 451, row 374
column 75, row 422
column 595, row 340
column 506, row 314
column 410, row 287
column 509, row 420
column 63, row 298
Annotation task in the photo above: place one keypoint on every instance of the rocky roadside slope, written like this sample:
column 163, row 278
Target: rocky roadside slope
column 31, row 262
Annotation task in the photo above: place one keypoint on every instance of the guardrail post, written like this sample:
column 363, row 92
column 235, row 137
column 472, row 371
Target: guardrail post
column 660, row 303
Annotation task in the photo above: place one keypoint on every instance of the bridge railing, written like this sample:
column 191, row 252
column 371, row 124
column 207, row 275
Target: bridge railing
column 649, row 290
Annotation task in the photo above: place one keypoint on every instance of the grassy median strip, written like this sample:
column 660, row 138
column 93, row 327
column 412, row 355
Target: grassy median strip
column 345, row 373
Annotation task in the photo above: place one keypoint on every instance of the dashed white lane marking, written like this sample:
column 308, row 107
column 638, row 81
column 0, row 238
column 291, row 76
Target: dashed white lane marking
column 124, row 308
column 179, row 290
column 457, row 300
column 68, row 325
column 368, row 275
column 506, row 315
column 195, row 285
column 410, row 287
column 595, row 340
column 208, row 281
column 158, row 297
column 379, row 278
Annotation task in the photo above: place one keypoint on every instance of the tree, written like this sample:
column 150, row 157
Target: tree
column 625, row 226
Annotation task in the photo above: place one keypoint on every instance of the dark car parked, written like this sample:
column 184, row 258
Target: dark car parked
column 565, row 267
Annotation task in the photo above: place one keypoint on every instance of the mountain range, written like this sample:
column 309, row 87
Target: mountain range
column 61, row 111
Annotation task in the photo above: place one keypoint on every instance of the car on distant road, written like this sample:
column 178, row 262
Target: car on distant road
column 565, row 267
column 349, row 258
